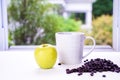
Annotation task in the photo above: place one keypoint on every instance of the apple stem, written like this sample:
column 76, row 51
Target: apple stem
column 44, row 45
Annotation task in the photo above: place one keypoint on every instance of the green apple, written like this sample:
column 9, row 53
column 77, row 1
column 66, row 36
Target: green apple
column 45, row 56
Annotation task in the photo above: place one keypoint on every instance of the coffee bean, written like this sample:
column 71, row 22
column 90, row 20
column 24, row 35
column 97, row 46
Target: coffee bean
column 59, row 63
column 103, row 75
column 80, row 73
column 92, row 74
column 95, row 65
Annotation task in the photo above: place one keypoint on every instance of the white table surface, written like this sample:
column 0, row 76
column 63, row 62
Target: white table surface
column 21, row 65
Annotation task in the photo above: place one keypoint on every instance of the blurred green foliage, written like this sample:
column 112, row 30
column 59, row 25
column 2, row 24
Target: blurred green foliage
column 10, row 39
column 34, row 22
column 102, row 7
column 102, row 30
column 78, row 16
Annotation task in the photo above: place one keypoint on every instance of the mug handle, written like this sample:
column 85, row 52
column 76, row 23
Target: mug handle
column 93, row 47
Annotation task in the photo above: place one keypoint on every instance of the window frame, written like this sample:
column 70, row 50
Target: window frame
column 116, row 25
column 3, row 25
column 4, row 28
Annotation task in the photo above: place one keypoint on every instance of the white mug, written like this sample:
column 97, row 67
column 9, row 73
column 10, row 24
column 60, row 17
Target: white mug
column 70, row 46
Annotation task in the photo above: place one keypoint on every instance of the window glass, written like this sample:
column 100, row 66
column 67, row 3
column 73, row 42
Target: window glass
column 34, row 22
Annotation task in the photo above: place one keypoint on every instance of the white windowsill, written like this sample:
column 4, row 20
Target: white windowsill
column 19, row 64
column 98, row 48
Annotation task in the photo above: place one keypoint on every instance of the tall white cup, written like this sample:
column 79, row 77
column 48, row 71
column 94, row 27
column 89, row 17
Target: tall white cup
column 70, row 46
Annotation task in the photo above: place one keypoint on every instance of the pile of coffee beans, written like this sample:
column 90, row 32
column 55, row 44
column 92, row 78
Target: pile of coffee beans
column 95, row 65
